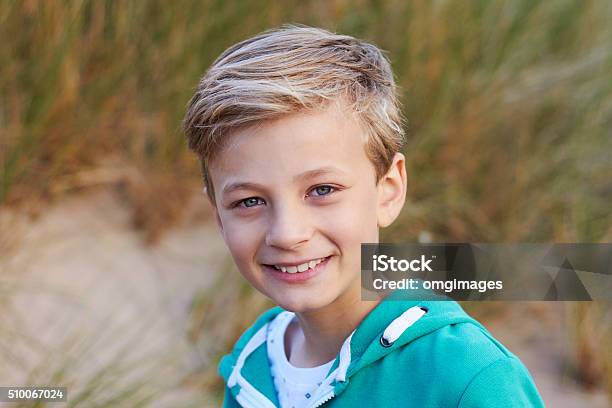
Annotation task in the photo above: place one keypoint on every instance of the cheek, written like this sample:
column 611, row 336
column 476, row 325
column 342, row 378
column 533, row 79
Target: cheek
column 360, row 212
column 354, row 222
column 240, row 239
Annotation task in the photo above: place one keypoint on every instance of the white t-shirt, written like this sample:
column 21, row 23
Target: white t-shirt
column 295, row 386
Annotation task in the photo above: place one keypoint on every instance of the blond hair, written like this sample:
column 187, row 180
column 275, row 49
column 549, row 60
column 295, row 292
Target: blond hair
column 294, row 69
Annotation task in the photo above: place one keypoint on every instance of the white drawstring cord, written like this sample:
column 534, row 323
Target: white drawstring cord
column 345, row 359
column 400, row 324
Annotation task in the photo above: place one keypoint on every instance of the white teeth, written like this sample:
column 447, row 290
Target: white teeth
column 300, row 268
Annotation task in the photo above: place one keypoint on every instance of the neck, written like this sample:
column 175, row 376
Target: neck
column 322, row 332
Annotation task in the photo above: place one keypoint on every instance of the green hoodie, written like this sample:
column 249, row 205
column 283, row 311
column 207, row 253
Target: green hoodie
column 404, row 353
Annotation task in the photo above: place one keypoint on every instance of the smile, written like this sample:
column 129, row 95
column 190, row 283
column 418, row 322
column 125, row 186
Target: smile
column 303, row 267
column 297, row 272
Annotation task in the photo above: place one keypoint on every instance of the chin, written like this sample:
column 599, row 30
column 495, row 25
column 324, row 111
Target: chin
column 301, row 304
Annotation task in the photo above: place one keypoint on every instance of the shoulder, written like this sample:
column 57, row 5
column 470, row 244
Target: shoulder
column 468, row 362
column 504, row 382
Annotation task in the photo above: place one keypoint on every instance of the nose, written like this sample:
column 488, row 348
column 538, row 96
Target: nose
column 289, row 227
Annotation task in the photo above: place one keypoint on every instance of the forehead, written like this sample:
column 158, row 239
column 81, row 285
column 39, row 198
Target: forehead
column 292, row 145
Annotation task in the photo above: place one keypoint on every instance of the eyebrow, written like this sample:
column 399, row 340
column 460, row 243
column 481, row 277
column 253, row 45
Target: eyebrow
column 307, row 175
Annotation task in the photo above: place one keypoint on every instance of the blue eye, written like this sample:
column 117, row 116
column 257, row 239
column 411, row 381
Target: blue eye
column 323, row 190
column 249, row 202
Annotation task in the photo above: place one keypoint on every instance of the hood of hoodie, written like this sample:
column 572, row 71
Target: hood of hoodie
column 391, row 325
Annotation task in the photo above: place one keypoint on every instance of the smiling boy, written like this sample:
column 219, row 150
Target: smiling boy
column 299, row 135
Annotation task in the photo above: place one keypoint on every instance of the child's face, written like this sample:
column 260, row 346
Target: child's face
column 298, row 190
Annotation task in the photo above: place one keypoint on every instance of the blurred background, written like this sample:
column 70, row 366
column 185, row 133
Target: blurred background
column 113, row 279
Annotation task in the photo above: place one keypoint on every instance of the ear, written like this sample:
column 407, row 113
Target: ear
column 214, row 208
column 392, row 191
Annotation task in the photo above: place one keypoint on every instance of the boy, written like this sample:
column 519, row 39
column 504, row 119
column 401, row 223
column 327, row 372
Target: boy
column 299, row 131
